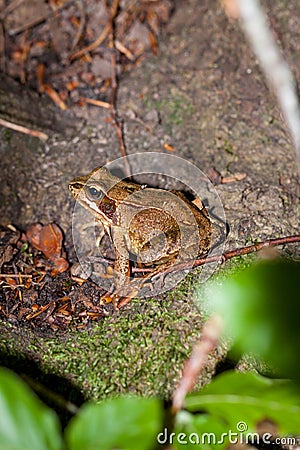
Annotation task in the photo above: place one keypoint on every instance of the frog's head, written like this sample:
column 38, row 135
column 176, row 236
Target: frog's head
column 91, row 191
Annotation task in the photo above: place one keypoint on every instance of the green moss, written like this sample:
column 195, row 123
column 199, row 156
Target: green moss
column 89, row 131
column 7, row 136
column 175, row 106
column 228, row 147
column 141, row 349
column 139, row 353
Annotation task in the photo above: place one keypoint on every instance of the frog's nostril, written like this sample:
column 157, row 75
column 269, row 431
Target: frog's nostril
column 75, row 186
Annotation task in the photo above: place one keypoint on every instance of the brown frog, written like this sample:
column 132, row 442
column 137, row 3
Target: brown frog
column 154, row 227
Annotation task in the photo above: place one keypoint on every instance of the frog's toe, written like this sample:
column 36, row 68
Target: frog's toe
column 110, row 298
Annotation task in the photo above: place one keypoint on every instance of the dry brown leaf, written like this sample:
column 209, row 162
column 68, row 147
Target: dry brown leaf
column 137, row 39
column 49, row 240
column 169, row 147
column 153, row 43
column 40, row 74
column 61, row 265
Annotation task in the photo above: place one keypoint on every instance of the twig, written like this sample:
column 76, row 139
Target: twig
column 233, row 178
column 38, row 20
column 13, row 5
column 81, row 24
column 94, row 102
column 2, row 48
column 50, row 395
column 94, row 44
column 40, row 311
column 228, row 255
column 54, row 96
column 209, row 340
column 8, row 275
column 212, row 329
column 25, row 130
column 124, row 50
column 240, row 251
column 114, row 87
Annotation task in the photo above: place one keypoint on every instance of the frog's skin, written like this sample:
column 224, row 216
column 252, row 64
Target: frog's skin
column 154, row 225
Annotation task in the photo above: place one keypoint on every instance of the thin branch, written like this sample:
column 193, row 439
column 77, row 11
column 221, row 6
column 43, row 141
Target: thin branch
column 93, row 45
column 9, row 9
column 99, row 103
column 58, row 399
column 9, row 275
column 77, row 37
column 210, row 337
column 25, row 130
column 228, row 255
column 212, row 329
column 2, row 48
column 37, row 20
column 124, row 50
column 241, row 251
column 118, row 123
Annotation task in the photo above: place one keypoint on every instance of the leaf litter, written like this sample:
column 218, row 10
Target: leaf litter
column 62, row 48
column 35, row 283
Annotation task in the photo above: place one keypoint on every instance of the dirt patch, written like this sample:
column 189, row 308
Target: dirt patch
column 67, row 51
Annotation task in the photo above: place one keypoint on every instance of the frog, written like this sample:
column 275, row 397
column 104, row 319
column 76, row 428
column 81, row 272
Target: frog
column 148, row 227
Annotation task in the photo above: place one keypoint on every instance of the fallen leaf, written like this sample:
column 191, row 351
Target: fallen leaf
column 214, row 176
column 169, row 147
column 33, row 233
column 40, row 73
column 153, row 43
column 61, row 265
column 49, row 240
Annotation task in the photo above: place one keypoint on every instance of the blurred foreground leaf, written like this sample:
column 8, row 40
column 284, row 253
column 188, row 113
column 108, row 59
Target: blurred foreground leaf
column 123, row 423
column 232, row 405
column 261, row 309
column 25, row 423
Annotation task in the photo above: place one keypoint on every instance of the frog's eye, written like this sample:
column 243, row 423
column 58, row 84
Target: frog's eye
column 94, row 193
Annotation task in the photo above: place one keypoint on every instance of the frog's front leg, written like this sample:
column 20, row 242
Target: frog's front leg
column 124, row 289
column 137, row 284
column 121, row 269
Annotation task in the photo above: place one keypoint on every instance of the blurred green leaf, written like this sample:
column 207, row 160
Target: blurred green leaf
column 25, row 423
column 261, row 308
column 123, row 423
column 234, row 398
column 204, row 430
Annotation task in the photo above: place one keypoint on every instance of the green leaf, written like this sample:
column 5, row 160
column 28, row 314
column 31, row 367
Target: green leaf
column 261, row 308
column 234, row 398
column 123, row 423
column 25, row 423
column 203, row 430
